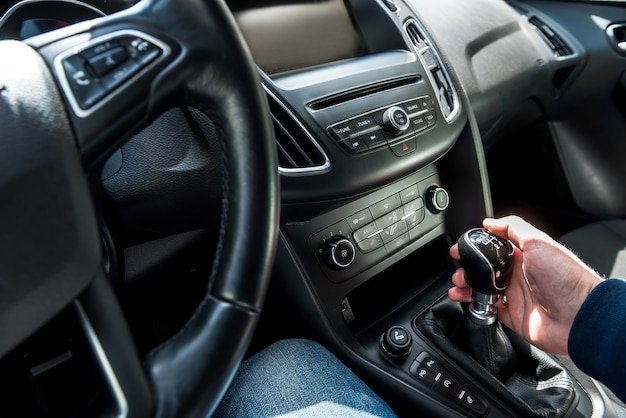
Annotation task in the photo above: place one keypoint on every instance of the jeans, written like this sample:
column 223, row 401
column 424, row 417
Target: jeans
column 299, row 378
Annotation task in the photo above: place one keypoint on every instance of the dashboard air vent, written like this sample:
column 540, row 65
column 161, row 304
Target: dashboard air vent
column 298, row 152
column 415, row 36
column 439, row 78
column 554, row 41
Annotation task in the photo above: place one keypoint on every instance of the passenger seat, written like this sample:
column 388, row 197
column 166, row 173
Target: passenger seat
column 602, row 245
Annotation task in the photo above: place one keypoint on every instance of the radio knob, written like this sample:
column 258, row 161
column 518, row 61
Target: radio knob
column 396, row 120
column 436, row 199
column 338, row 252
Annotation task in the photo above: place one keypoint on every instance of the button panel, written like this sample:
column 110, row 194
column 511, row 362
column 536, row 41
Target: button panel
column 95, row 71
column 432, row 374
column 370, row 130
column 388, row 221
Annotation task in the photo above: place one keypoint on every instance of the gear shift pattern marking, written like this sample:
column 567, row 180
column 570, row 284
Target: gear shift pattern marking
column 486, row 259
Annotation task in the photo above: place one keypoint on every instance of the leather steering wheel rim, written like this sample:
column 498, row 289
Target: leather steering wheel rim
column 203, row 63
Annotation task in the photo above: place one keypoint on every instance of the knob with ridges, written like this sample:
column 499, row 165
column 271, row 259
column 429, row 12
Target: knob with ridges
column 339, row 252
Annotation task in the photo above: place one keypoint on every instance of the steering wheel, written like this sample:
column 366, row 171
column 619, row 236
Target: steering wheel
column 68, row 99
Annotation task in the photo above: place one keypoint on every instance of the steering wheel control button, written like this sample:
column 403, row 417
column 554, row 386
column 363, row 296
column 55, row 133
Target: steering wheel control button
column 396, row 342
column 84, row 84
column 339, row 252
column 120, row 74
column 141, row 50
column 107, row 61
column 103, row 66
column 396, row 120
column 437, row 199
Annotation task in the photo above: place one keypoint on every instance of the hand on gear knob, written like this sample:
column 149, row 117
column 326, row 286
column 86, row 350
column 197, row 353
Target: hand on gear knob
column 486, row 259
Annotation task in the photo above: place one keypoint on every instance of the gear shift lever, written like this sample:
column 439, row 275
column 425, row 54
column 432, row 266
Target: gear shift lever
column 534, row 383
column 486, row 259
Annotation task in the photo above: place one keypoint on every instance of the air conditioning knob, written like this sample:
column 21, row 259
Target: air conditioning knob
column 436, row 199
column 396, row 120
column 339, row 252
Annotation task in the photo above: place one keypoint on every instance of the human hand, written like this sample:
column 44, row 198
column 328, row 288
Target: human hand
column 548, row 285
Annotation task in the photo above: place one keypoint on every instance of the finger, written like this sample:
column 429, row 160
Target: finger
column 513, row 228
column 459, row 294
column 458, row 278
column 454, row 251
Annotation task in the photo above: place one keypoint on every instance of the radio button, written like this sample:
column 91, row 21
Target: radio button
column 374, row 139
column 354, row 145
column 426, row 103
column 418, row 122
column 365, row 122
column 430, row 117
column 412, row 107
column 342, row 130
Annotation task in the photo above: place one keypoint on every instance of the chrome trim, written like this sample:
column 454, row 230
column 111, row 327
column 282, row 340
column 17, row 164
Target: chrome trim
column 303, row 171
column 620, row 46
column 103, row 361
column 457, row 103
column 62, row 76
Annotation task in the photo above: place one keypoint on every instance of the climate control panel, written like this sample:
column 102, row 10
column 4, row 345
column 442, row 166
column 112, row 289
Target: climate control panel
column 374, row 228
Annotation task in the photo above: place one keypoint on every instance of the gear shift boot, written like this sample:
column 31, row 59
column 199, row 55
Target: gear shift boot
column 526, row 378
column 490, row 347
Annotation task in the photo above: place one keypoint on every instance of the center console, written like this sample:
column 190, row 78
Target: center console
column 382, row 170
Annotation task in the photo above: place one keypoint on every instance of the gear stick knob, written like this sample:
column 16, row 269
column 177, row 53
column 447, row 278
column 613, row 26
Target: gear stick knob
column 486, row 259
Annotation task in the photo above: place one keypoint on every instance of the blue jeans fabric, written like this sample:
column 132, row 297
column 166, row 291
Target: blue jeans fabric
column 299, row 378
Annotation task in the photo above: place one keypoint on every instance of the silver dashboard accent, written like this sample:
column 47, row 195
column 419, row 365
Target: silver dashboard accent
column 300, row 171
column 103, row 362
column 425, row 50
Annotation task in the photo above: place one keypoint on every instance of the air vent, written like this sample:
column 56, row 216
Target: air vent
column 415, row 35
column 554, row 41
column 298, row 152
column 446, row 95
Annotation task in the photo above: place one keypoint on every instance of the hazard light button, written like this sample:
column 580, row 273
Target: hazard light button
column 404, row 147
